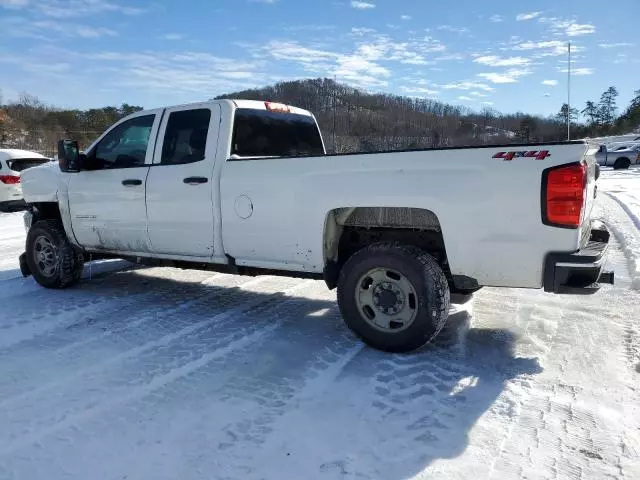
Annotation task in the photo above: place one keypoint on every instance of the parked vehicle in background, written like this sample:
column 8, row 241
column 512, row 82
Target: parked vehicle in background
column 619, row 157
column 12, row 162
column 616, row 146
column 245, row 187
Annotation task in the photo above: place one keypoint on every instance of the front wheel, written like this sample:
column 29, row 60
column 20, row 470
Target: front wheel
column 394, row 296
column 622, row 164
column 53, row 261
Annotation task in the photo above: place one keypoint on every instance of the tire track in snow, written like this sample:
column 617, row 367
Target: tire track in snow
column 46, row 322
column 632, row 215
column 277, row 403
column 628, row 238
column 72, row 352
column 31, row 429
column 565, row 430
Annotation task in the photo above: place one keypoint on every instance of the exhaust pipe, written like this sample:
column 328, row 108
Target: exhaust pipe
column 606, row 277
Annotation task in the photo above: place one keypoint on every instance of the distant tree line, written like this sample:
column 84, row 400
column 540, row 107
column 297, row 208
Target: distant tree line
column 30, row 124
column 601, row 118
column 350, row 119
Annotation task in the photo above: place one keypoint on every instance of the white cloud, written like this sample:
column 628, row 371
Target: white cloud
column 479, row 94
column 546, row 94
column 575, row 29
column 467, row 85
column 308, row 57
column 548, row 47
column 449, row 28
column 494, row 61
column 361, row 31
column 47, row 30
column 362, row 5
column 466, row 99
column 496, row 18
column 450, row 56
column 527, row 16
column 420, row 91
column 560, row 27
column 90, row 32
column 550, row 83
column 406, row 17
column 578, row 71
column 195, row 73
column 173, row 36
column 616, row 45
column 13, row 3
column 487, row 103
column 358, row 68
column 509, row 76
column 72, row 8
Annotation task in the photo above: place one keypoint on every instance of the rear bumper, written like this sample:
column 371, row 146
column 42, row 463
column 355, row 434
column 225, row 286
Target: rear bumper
column 12, row 206
column 580, row 272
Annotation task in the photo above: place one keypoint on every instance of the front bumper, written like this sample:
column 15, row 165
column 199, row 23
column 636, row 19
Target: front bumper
column 580, row 272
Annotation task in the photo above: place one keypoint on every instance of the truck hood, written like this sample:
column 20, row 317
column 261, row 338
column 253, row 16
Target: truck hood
column 41, row 183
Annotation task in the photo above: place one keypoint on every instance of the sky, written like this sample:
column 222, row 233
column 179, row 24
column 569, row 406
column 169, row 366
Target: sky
column 503, row 54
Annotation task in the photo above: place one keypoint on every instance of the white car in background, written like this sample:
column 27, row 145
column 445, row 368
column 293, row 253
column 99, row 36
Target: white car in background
column 12, row 162
column 618, row 156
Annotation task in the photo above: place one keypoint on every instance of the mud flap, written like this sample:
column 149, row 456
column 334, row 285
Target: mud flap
column 24, row 268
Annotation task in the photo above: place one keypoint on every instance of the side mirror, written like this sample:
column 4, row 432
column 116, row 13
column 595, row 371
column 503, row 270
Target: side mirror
column 69, row 158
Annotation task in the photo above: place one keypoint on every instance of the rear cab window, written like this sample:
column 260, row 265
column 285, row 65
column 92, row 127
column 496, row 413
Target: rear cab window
column 264, row 133
column 185, row 139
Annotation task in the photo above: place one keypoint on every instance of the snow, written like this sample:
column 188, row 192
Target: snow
column 161, row 373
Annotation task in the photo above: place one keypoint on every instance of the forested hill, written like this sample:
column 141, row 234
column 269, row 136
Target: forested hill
column 361, row 121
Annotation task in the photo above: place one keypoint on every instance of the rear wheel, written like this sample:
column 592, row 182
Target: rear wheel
column 394, row 296
column 622, row 164
column 53, row 261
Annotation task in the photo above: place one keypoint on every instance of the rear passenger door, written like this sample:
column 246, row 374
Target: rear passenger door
column 180, row 182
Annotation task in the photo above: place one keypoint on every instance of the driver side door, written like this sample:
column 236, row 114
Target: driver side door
column 107, row 197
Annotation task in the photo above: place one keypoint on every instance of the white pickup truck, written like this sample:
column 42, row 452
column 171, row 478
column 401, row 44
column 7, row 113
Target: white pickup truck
column 246, row 187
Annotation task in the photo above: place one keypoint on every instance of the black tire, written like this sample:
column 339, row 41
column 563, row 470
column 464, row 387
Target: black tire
column 425, row 276
column 67, row 264
column 622, row 164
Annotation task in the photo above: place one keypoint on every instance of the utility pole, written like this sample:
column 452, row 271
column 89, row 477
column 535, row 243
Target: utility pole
column 569, row 94
column 335, row 86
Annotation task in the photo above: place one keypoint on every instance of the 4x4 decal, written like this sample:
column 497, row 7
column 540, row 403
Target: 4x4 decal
column 537, row 154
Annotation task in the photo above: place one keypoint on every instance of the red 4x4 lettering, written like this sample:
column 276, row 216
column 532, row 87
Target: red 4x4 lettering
column 537, row 154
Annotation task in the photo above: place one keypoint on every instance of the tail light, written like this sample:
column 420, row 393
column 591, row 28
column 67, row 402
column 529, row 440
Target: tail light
column 9, row 179
column 563, row 195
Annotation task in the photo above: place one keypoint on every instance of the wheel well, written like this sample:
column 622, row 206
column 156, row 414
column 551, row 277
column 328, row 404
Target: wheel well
column 45, row 211
column 348, row 230
column 622, row 160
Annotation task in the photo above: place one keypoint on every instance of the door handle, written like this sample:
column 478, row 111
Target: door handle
column 131, row 182
column 195, row 180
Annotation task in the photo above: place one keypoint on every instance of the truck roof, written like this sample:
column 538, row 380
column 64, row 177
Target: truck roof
column 16, row 153
column 250, row 104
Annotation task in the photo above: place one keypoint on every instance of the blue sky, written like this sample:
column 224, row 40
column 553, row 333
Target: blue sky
column 504, row 54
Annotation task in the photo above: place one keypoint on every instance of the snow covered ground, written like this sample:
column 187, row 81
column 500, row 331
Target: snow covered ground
column 149, row 373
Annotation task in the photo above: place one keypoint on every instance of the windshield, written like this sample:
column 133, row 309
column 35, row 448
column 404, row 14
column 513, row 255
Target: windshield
column 261, row 133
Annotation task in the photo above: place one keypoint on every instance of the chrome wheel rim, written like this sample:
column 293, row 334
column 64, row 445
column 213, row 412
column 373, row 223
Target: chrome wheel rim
column 45, row 256
column 386, row 299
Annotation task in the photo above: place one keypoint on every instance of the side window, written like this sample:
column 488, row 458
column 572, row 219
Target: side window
column 126, row 145
column 186, row 136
